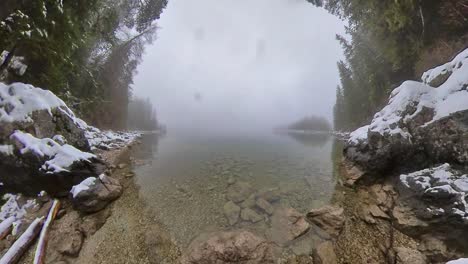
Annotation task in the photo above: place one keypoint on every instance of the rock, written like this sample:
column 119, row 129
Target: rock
column 435, row 249
column 231, row 180
column 264, row 206
column 287, row 224
column 122, row 166
column 44, row 146
column 325, row 254
column 437, row 192
column 271, row 195
column 406, row 219
column 374, row 211
column 229, row 247
column 239, row 191
column 71, row 244
column 130, row 174
column 419, row 127
column 249, row 202
column 248, row 214
column 409, row 256
column 352, row 173
column 93, row 222
column 330, row 218
column 231, row 211
column 94, row 194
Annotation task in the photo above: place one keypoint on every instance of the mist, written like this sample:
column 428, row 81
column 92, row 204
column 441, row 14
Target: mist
column 241, row 66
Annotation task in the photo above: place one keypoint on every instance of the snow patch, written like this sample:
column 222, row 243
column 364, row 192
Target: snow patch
column 359, row 135
column 441, row 180
column 6, row 149
column 60, row 158
column 83, row 186
column 459, row 261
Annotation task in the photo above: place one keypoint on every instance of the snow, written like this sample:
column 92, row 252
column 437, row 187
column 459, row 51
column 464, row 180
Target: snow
column 6, row 149
column 83, row 186
column 459, row 261
column 18, row 101
column 60, row 157
column 450, row 97
column 17, row 62
column 6, row 224
column 15, row 208
column 359, row 134
column 441, row 179
column 21, row 242
column 108, row 139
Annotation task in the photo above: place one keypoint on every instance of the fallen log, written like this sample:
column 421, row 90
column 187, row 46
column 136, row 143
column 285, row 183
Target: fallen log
column 5, row 226
column 22, row 244
column 39, row 256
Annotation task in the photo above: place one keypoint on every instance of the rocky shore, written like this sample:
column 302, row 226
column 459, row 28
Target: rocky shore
column 410, row 165
column 52, row 160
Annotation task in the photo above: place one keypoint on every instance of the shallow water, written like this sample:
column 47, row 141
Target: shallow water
column 184, row 178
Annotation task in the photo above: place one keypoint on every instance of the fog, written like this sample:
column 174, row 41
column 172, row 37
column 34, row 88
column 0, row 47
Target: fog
column 250, row 65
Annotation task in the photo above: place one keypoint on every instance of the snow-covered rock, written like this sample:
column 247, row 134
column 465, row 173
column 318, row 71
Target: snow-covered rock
column 420, row 124
column 44, row 146
column 93, row 194
column 442, row 189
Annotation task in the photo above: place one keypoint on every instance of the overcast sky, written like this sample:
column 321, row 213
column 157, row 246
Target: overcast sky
column 241, row 64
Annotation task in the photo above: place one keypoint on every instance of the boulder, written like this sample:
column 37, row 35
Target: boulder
column 42, row 144
column 239, row 191
column 238, row 246
column 33, row 164
column 250, row 215
column 94, row 194
column 324, row 253
column 330, row 218
column 231, row 211
column 420, row 125
column 287, row 224
column 437, row 193
column 409, row 256
column 265, row 206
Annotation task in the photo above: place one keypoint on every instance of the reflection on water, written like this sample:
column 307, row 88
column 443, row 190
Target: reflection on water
column 188, row 180
column 314, row 140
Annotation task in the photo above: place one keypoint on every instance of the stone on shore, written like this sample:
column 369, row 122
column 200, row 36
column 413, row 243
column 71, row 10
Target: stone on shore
column 94, row 194
column 330, row 218
column 229, row 247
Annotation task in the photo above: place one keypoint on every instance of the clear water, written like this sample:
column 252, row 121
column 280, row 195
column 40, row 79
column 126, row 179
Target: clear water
column 184, row 178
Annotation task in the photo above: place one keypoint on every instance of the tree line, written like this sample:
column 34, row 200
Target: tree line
column 85, row 51
column 389, row 42
column 311, row 123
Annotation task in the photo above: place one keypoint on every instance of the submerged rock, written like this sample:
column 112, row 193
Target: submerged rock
column 324, row 253
column 248, row 214
column 330, row 218
column 287, row 224
column 93, row 194
column 229, row 247
column 265, row 206
column 239, row 191
column 231, row 211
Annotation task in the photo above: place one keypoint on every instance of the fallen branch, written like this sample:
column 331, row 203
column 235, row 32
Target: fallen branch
column 20, row 246
column 5, row 227
column 42, row 244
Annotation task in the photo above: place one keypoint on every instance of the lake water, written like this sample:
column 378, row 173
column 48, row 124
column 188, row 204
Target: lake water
column 184, row 179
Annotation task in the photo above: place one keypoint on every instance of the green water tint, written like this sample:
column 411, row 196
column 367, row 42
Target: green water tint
column 185, row 180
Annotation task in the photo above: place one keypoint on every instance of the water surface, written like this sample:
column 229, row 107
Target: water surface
column 184, row 178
